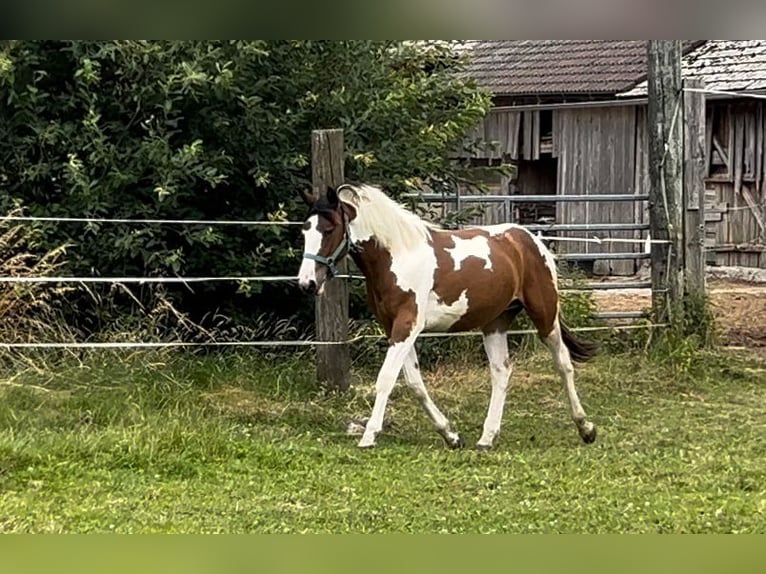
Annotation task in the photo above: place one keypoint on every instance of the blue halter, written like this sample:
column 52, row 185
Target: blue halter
column 332, row 259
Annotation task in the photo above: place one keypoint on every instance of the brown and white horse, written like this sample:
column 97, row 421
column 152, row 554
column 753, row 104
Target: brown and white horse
column 421, row 278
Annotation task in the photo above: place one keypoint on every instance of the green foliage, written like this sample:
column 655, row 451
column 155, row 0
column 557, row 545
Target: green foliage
column 577, row 307
column 691, row 331
column 213, row 130
column 679, row 345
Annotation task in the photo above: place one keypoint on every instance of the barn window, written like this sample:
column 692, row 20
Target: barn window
column 720, row 142
column 546, row 131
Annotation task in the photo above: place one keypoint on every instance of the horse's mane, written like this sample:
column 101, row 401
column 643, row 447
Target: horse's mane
column 391, row 224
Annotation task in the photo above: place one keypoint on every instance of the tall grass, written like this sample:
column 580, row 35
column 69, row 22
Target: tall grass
column 30, row 311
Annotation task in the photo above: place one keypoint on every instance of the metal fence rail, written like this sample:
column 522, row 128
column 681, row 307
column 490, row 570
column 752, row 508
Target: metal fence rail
column 489, row 198
column 508, row 201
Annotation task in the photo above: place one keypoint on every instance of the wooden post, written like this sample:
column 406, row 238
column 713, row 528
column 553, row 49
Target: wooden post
column 331, row 309
column 694, row 188
column 664, row 122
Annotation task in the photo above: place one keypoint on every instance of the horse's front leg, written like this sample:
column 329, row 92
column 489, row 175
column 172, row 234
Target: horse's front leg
column 415, row 381
column 389, row 372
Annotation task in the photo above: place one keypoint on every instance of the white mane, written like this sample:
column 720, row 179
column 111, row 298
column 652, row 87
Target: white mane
column 378, row 216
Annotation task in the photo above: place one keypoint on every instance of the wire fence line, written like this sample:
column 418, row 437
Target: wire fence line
column 276, row 278
column 30, row 219
column 117, row 345
column 213, row 222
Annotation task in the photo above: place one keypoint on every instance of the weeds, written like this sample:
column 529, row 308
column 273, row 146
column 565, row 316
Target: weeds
column 29, row 310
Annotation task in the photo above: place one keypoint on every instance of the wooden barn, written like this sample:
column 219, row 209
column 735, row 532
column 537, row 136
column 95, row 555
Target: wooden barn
column 570, row 115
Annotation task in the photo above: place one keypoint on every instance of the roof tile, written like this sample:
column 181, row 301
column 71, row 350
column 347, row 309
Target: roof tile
column 529, row 67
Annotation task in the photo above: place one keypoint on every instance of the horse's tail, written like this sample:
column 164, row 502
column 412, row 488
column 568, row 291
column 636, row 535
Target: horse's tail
column 580, row 350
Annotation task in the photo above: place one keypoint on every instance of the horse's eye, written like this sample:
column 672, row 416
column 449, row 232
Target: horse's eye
column 327, row 232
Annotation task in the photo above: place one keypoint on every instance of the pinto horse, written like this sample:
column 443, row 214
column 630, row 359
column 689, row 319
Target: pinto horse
column 421, row 278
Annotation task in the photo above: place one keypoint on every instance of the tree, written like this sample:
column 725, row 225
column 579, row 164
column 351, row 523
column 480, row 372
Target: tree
column 213, row 130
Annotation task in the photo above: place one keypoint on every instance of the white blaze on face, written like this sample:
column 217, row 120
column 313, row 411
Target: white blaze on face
column 312, row 241
column 474, row 247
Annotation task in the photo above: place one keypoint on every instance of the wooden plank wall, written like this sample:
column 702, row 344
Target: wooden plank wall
column 501, row 128
column 596, row 150
column 604, row 150
column 641, row 177
column 737, row 196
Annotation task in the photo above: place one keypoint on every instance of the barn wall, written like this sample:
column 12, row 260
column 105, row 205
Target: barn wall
column 604, row 150
column 596, row 150
column 736, row 184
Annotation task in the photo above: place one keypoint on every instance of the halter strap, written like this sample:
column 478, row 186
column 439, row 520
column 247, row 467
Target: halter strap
column 332, row 259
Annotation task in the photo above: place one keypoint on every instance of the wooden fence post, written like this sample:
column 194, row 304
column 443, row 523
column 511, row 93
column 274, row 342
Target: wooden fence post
column 331, row 309
column 665, row 119
column 694, row 187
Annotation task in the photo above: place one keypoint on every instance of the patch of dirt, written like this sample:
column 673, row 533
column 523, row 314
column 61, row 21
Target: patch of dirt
column 739, row 308
column 740, row 312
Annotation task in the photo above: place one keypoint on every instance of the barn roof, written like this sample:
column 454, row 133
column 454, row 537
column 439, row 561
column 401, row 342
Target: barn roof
column 530, row 67
column 558, row 67
column 730, row 65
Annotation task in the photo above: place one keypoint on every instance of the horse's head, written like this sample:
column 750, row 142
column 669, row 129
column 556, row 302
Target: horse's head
column 325, row 239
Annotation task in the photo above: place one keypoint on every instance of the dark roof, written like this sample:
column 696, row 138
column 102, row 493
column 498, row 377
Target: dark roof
column 551, row 67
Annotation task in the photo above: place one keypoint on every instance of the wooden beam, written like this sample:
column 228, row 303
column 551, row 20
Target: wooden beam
column 665, row 117
column 694, row 187
column 331, row 309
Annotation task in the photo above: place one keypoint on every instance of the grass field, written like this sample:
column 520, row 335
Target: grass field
column 168, row 442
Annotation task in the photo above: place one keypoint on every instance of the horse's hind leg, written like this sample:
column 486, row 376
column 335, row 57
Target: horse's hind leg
column 496, row 347
column 415, row 382
column 542, row 307
column 563, row 361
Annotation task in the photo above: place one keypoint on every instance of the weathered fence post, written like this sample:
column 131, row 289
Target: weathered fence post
column 665, row 118
column 694, row 187
column 331, row 309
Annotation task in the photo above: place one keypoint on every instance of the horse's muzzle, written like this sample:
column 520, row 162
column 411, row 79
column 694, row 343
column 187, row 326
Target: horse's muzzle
column 310, row 287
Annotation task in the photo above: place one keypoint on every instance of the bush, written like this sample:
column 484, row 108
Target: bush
column 213, row 130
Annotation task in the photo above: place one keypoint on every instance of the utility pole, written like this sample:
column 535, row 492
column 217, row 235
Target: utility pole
column 666, row 154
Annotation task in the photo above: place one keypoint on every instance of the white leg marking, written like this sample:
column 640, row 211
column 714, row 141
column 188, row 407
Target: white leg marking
column 563, row 363
column 387, row 376
column 496, row 347
column 415, row 382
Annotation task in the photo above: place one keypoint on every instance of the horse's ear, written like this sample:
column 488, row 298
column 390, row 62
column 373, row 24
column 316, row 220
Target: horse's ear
column 332, row 195
column 309, row 196
column 347, row 194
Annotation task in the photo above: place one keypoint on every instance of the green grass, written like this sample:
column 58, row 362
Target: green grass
column 235, row 443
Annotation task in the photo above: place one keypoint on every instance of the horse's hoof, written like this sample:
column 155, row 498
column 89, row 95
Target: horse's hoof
column 588, row 433
column 366, row 441
column 483, row 447
column 456, row 443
